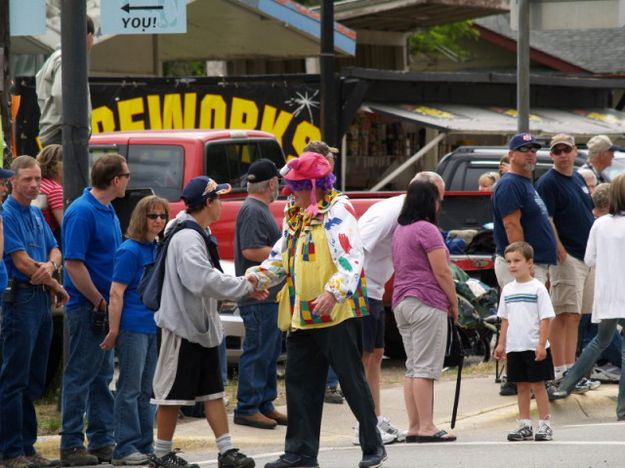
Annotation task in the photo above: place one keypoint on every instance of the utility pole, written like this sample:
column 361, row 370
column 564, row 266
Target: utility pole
column 523, row 67
column 329, row 97
column 75, row 103
column 5, row 83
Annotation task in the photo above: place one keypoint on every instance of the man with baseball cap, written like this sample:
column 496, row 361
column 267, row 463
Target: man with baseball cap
column 255, row 234
column 188, row 369
column 519, row 214
column 600, row 156
column 569, row 205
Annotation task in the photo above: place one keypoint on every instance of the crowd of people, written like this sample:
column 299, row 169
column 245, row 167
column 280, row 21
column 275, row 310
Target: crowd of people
column 320, row 277
column 562, row 231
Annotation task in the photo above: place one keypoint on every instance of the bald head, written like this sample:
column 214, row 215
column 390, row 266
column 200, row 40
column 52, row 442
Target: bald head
column 432, row 177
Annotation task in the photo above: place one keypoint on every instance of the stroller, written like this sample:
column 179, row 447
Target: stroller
column 476, row 302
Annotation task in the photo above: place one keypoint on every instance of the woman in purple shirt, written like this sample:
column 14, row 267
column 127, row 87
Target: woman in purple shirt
column 424, row 296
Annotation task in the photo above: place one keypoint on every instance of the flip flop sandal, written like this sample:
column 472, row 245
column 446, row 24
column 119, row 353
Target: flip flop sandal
column 440, row 436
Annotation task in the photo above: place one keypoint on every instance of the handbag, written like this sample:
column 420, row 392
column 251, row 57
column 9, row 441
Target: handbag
column 454, row 352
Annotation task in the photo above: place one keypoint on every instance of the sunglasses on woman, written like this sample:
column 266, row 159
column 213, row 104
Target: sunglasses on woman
column 154, row 216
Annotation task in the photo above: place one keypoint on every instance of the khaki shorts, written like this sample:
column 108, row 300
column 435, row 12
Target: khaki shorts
column 541, row 272
column 572, row 286
column 423, row 330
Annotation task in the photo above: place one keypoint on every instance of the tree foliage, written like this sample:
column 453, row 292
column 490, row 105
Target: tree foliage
column 444, row 40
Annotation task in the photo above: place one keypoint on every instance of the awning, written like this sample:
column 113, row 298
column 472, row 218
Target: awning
column 461, row 119
column 222, row 30
column 408, row 15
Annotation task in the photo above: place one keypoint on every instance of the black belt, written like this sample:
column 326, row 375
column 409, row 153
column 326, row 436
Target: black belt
column 17, row 284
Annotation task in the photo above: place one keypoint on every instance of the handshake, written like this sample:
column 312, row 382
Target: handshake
column 258, row 294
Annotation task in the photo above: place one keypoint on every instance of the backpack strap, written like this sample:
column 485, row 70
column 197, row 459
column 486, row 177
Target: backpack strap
column 209, row 240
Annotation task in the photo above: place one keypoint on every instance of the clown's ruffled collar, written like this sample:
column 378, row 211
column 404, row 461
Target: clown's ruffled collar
column 298, row 220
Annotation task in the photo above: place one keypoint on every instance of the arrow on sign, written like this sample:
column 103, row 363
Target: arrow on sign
column 127, row 7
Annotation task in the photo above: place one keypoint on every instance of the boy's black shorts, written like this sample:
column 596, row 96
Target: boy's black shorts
column 522, row 367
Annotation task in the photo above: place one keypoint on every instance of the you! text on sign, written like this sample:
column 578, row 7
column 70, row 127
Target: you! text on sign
column 143, row 16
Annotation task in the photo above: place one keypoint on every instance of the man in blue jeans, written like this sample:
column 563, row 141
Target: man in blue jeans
column 255, row 234
column 91, row 235
column 31, row 256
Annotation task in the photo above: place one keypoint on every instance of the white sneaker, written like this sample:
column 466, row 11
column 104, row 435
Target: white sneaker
column 385, row 436
column 134, row 458
column 606, row 373
column 384, row 425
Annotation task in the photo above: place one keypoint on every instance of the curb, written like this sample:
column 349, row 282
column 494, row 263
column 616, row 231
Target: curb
column 600, row 403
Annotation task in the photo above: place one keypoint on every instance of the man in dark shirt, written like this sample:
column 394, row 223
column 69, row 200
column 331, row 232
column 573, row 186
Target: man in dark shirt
column 568, row 202
column 519, row 213
column 255, row 234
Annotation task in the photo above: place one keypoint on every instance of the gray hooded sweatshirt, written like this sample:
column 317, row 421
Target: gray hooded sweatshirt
column 192, row 287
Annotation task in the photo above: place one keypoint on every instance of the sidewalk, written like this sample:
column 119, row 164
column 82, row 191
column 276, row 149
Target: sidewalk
column 480, row 406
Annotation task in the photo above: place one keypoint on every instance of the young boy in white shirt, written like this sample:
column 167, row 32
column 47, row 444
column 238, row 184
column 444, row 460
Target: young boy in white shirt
column 525, row 310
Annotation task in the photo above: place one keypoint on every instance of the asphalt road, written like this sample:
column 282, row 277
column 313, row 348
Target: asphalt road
column 599, row 444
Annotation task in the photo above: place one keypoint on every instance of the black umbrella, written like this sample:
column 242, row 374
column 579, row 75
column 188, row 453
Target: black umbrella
column 454, row 356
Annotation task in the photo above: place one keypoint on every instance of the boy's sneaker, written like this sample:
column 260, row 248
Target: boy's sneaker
column 387, row 438
column 333, row 395
column 171, row 460
column 607, row 373
column 544, row 432
column 384, row 425
column 234, row 459
column 524, row 432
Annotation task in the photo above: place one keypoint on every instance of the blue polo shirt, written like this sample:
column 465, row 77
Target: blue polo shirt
column 4, row 279
column 515, row 192
column 91, row 233
column 130, row 259
column 569, row 204
column 25, row 229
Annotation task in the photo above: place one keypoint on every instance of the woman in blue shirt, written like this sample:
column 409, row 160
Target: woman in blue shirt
column 132, row 331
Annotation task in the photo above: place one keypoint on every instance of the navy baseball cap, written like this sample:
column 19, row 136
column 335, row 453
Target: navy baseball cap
column 201, row 188
column 523, row 139
column 5, row 173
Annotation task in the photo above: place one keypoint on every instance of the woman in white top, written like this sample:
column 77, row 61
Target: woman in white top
column 605, row 252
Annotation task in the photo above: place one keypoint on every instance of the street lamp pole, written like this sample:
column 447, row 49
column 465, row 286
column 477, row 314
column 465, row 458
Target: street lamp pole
column 75, row 103
column 329, row 107
column 523, row 67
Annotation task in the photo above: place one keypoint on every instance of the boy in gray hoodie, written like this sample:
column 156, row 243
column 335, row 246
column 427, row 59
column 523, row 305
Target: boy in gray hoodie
column 188, row 368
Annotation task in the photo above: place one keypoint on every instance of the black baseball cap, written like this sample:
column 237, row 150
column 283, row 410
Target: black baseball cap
column 261, row 170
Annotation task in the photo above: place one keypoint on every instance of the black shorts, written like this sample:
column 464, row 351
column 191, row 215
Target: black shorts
column 193, row 375
column 522, row 367
column 373, row 326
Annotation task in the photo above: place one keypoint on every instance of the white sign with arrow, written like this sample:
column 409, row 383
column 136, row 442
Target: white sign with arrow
column 143, row 16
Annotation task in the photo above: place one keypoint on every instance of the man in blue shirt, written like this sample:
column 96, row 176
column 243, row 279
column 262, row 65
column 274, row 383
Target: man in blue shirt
column 31, row 257
column 91, row 235
column 568, row 202
column 519, row 214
